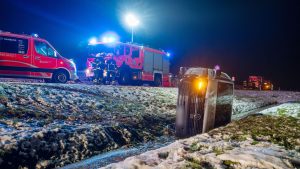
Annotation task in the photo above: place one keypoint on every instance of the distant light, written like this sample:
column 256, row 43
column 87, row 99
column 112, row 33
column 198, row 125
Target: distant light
column 131, row 20
column 93, row 41
column 168, row 54
column 35, row 35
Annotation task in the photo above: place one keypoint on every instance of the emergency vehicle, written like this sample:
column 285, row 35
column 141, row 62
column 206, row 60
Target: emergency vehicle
column 135, row 64
column 29, row 56
column 267, row 85
column 257, row 83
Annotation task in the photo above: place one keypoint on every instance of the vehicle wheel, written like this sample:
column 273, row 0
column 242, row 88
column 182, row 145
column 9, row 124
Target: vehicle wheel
column 60, row 77
column 157, row 81
column 124, row 79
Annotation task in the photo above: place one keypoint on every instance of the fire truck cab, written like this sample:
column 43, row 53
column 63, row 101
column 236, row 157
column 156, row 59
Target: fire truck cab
column 28, row 56
column 135, row 64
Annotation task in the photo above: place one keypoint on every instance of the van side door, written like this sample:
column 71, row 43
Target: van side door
column 15, row 58
column 44, row 58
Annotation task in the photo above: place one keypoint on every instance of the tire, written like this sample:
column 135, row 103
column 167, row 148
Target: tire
column 60, row 77
column 157, row 81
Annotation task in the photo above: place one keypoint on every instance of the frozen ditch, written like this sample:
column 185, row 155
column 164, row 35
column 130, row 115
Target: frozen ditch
column 120, row 154
column 52, row 125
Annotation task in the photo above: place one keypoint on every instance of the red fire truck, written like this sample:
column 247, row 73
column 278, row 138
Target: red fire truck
column 32, row 57
column 135, row 64
column 257, row 83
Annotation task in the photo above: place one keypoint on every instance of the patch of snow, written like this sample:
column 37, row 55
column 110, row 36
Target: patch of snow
column 286, row 109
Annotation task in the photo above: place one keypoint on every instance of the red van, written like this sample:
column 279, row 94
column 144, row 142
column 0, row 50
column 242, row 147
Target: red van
column 32, row 57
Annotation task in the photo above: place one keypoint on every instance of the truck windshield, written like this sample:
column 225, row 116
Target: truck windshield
column 96, row 49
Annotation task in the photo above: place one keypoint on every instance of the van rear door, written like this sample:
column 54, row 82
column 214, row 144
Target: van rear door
column 12, row 49
column 44, row 58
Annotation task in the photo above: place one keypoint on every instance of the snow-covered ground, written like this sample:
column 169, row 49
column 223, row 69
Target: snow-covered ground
column 51, row 125
column 260, row 141
column 286, row 109
column 269, row 139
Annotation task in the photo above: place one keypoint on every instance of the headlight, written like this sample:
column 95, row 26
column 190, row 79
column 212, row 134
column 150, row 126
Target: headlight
column 200, row 84
column 87, row 71
column 104, row 73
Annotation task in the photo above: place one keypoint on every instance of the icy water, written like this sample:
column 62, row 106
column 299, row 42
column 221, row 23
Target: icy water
column 119, row 154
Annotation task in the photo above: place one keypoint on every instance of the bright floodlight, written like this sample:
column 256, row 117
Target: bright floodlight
column 168, row 54
column 132, row 20
column 93, row 41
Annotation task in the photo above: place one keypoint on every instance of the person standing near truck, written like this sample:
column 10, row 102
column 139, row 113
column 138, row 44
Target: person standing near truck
column 98, row 68
column 111, row 71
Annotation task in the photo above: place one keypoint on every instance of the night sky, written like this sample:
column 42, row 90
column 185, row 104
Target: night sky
column 243, row 37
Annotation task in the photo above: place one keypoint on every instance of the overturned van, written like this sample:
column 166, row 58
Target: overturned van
column 204, row 102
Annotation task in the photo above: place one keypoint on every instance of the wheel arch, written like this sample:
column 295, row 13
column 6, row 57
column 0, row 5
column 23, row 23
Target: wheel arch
column 158, row 75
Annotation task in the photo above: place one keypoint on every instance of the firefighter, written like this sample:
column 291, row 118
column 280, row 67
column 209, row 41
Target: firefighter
column 111, row 70
column 98, row 68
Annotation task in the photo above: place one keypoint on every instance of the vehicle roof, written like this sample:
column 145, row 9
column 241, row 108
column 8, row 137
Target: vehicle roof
column 135, row 45
column 20, row 35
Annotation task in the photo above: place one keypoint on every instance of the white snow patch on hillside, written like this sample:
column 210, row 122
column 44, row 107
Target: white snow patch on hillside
column 286, row 109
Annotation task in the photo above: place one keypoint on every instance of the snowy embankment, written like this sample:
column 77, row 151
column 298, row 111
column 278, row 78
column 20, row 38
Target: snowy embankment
column 51, row 125
column 268, row 139
column 254, row 142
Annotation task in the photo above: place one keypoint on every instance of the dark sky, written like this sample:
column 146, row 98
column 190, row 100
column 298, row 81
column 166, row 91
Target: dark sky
column 243, row 37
